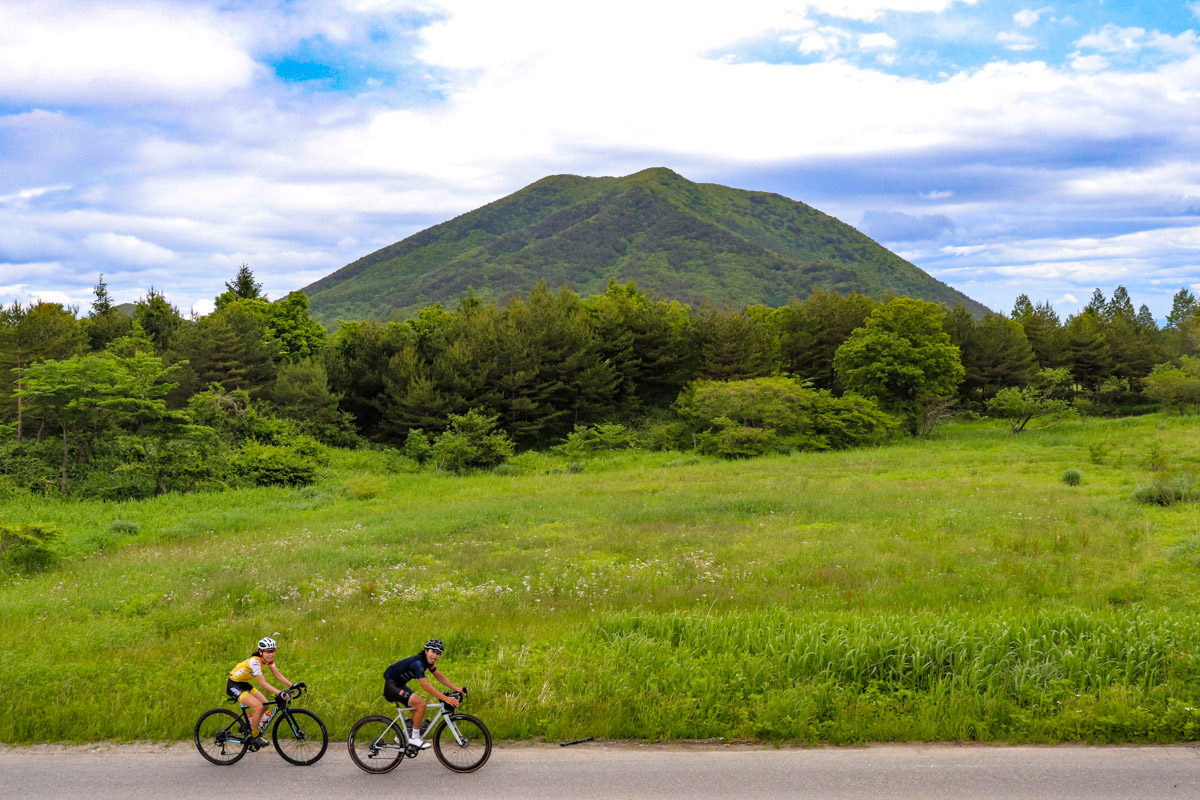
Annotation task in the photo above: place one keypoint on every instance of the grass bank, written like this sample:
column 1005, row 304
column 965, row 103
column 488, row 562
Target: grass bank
column 946, row 589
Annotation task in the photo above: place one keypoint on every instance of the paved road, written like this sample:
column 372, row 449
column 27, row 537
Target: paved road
column 617, row 771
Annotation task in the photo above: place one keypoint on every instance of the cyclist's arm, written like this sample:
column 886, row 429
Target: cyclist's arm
column 428, row 687
column 268, row 687
column 444, row 681
column 278, row 674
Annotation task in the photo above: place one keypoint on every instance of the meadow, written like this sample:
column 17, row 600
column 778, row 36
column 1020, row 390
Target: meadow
column 948, row 589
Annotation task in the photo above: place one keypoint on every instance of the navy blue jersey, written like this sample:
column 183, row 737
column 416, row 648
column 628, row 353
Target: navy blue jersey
column 408, row 669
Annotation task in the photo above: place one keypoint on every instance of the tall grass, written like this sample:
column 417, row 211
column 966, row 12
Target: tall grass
column 779, row 674
column 944, row 589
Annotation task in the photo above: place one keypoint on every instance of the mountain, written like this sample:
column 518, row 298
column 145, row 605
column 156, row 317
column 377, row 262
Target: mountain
column 681, row 240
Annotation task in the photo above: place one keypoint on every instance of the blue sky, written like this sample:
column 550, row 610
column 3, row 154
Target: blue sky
column 1004, row 147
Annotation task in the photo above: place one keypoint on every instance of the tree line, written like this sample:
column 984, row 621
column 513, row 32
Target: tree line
column 119, row 403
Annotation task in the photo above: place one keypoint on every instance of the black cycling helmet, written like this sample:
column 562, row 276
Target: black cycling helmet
column 436, row 645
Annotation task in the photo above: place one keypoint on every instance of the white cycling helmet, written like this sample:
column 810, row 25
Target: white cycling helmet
column 266, row 643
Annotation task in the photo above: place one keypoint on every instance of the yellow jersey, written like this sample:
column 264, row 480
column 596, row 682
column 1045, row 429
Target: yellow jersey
column 248, row 669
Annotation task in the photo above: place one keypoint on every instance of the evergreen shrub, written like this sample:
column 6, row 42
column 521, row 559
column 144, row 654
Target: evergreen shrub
column 29, row 548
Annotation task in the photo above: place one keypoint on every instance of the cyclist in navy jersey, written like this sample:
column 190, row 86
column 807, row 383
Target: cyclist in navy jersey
column 397, row 690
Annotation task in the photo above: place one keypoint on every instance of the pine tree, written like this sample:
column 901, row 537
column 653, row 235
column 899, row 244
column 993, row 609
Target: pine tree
column 734, row 345
column 1183, row 309
column 996, row 355
column 106, row 323
column 1120, row 307
column 811, row 330
column 103, row 302
column 158, row 318
column 1091, row 359
column 1043, row 330
column 243, row 286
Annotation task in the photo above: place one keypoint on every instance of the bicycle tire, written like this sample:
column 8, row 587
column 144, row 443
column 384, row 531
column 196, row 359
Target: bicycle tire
column 219, row 736
column 475, row 749
column 298, row 745
column 373, row 744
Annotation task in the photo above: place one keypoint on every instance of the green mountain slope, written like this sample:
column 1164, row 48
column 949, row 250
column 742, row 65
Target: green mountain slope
column 681, row 240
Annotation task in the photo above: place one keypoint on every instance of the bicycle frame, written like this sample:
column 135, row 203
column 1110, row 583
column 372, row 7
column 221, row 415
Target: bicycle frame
column 405, row 712
column 283, row 710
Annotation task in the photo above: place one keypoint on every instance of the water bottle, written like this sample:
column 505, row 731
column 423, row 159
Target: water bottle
column 266, row 719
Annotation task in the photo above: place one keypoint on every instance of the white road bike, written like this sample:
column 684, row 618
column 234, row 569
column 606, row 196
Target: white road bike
column 460, row 741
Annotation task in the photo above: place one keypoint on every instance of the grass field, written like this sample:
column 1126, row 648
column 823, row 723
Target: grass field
column 948, row 589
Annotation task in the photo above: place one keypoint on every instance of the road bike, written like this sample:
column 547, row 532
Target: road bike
column 298, row 734
column 460, row 741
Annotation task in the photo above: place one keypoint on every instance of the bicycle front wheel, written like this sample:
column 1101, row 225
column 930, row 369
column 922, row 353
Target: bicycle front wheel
column 219, row 736
column 300, row 737
column 469, row 750
column 376, row 744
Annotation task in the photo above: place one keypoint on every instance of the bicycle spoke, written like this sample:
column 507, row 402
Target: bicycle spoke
column 219, row 736
column 469, row 750
column 376, row 744
column 299, row 736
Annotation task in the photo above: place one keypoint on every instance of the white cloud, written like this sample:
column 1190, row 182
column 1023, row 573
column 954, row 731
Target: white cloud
column 1028, row 17
column 29, row 271
column 1016, row 41
column 1092, row 63
column 22, row 195
column 871, row 9
column 1168, row 179
column 1117, row 40
column 814, row 43
column 1114, row 39
column 128, row 249
column 112, row 53
column 876, row 40
column 298, row 184
column 1086, row 260
column 21, row 240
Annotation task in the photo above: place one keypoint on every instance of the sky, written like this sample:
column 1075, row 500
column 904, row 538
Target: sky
column 1003, row 147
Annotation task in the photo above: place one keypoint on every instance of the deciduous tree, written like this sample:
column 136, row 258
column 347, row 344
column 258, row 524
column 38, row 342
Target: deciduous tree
column 902, row 357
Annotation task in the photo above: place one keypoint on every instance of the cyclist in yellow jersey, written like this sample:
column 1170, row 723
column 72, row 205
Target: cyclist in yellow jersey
column 239, row 687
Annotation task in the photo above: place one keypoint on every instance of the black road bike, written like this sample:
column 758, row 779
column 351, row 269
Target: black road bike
column 298, row 734
column 460, row 741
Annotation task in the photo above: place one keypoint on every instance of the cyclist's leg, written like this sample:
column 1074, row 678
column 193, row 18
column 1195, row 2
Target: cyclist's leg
column 254, row 700
column 417, row 704
column 238, row 690
column 395, row 693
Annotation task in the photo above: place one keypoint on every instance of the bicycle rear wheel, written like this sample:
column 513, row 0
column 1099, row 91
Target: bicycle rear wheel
column 377, row 744
column 470, row 750
column 219, row 736
column 299, row 736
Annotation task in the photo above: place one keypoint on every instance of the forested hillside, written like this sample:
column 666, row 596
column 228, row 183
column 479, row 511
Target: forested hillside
column 686, row 241
column 118, row 406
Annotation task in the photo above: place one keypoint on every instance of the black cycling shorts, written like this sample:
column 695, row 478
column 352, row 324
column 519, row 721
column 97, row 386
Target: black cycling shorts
column 235, row 688
column 395, row 693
